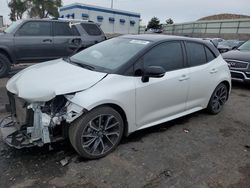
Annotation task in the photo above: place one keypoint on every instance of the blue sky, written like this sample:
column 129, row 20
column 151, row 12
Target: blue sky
column 178, row 10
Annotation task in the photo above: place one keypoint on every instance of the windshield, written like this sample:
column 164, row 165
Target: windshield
column 110, row 54
column 12, row 27
column 245, row 46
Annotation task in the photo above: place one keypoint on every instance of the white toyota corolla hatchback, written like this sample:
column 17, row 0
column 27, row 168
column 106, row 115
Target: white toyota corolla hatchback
column 114, row 88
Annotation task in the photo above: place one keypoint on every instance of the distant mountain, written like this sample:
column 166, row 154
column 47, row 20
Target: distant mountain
column 224, row 17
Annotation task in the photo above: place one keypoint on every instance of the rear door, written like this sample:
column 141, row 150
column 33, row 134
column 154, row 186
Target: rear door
column 203, row 71
column 67, row 39
column 34, row 41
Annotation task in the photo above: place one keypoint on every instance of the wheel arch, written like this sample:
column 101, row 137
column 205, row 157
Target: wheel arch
column 227, row 85
column 7, row 54
column 120, row 110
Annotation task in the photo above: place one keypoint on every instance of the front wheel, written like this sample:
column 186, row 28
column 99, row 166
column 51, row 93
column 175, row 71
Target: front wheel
column 97, row 133
column 4, row 65
column 218, row 99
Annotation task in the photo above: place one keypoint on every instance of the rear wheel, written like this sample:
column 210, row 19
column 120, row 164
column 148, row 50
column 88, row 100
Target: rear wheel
column 97, row 133
column 4, row 65
column 218, row 99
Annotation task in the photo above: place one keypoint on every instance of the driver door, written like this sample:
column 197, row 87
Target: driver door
column 160, row 98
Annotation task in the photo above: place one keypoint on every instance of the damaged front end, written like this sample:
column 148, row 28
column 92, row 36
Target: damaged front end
column 39, row 123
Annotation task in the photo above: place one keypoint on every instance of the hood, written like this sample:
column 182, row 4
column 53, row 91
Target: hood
column 42, row 82
column 237, row 55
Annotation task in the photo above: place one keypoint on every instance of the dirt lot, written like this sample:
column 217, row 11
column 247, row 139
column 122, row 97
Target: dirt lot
column 199, row 150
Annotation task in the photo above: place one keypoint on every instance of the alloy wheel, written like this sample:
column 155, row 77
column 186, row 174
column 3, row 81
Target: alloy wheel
column 219, row 98
column 100, row 134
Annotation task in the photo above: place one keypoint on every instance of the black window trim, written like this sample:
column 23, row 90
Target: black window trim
column 24, row 23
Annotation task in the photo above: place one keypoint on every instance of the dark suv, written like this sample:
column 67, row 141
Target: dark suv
column 239, row 62
column 44, row 39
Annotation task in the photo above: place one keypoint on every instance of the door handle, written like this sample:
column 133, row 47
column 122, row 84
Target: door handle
column 214, row 70
column 47, row 41
column 183, row 77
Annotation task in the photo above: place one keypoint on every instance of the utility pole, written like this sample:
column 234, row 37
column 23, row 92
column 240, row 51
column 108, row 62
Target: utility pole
column 112, row 4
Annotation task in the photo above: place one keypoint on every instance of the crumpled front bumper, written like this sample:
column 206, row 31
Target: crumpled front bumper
column 30, row 126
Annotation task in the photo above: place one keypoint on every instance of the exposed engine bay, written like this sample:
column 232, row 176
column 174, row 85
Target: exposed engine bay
column 40, row 123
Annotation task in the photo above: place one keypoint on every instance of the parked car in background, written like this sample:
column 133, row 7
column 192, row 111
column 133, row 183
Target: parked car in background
column 37, row 40
column 114, row 88
column 215, row 41
column 227, row 45
column 239, row 62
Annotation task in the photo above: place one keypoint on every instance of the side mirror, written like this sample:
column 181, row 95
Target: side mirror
column 153, row 72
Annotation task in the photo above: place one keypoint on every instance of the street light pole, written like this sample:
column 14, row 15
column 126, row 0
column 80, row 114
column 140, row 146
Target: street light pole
column 112, row 4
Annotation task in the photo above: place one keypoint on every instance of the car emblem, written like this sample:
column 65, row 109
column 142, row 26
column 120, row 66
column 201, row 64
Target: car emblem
column 232, row 64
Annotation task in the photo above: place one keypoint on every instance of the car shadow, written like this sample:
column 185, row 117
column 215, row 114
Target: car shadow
column 240, row 85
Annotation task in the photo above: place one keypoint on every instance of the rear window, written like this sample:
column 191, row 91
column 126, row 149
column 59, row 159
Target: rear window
column 196, row 54
column 63, row 29
column 91, row 29
column 210, row 55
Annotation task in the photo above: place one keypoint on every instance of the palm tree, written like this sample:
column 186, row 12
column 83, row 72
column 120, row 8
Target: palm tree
column 18, row 8
column 44, row 8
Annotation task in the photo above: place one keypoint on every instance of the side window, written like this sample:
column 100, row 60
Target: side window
column 91, row 29
column 35, row 29
column 196, row 54
column 63, row 29
column 75, row 31
column 167, row 55
column 210, row 55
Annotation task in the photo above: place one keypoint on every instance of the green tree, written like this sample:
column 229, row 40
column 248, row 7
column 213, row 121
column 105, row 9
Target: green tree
column 169, row 21
column 154, row 23
column 17, row 8
column 44, row 8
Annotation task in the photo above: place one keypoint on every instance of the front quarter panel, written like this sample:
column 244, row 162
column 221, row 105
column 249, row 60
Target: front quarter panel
column 113, row 89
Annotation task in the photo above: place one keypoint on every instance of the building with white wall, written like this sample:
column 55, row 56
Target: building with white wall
column 110, row 20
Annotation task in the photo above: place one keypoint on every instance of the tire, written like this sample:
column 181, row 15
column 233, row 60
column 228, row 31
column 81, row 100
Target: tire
column 4, row 65
column 218, row 99
column 97, row 133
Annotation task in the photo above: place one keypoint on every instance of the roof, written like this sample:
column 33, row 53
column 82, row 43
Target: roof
column 100, row 9
column 156, row 37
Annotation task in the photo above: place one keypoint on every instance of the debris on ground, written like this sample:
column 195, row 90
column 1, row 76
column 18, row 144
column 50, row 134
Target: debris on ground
column 247, row 148
column 65, row 161
column 167, row 173
column 186, row 130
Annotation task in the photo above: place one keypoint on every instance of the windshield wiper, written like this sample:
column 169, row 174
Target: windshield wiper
column 79, row 64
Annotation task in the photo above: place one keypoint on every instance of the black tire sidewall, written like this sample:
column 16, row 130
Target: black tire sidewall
column 5, row 63
column 82, row 123
column 210, row 105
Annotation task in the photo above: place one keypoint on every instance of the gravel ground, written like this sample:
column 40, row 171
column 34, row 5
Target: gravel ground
column 198, row 150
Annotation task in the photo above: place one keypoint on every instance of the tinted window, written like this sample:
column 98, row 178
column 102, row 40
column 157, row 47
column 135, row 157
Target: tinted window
column 196, row 54
column 63, row 29
column 167, row 55
column 35, row 29
column 210, row 55
column 91, row 29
